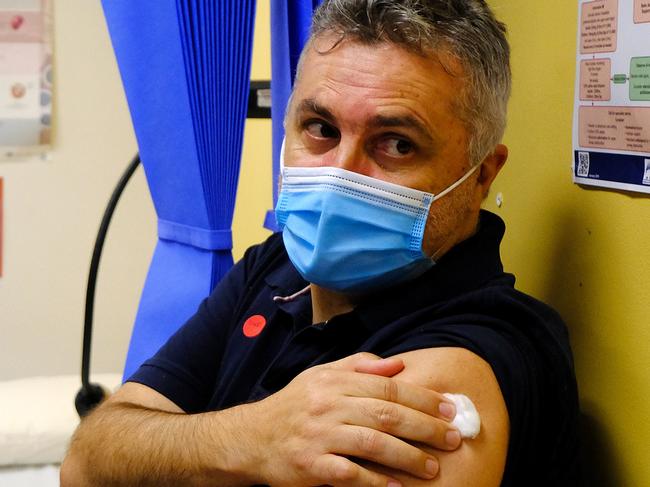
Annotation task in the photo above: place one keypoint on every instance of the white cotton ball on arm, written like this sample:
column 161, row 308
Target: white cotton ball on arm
column 467, row 419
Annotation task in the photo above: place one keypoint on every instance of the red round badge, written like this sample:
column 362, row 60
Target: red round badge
column 254, row 325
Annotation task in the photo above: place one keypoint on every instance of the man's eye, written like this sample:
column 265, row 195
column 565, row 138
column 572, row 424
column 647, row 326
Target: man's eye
column 321, row 130
column 395, row 147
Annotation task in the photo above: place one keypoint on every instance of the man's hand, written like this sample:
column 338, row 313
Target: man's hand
column 351, row 408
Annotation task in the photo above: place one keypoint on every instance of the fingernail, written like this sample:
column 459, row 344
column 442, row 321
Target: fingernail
column 452, row 438
column 431, row 467
column 447, row 410
column 394, row 483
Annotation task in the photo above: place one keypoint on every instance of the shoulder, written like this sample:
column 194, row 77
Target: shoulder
column 501, row 314
column 496, row 322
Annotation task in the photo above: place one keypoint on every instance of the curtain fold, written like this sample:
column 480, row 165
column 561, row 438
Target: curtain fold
column 185, row 66
column 290, row 21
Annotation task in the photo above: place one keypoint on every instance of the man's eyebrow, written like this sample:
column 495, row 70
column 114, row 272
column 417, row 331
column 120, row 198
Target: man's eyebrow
column 408, row 121
column 311, row 105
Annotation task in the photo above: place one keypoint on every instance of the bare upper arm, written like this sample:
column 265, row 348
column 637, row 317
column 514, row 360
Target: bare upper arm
column 141, row 395
column 479, row 462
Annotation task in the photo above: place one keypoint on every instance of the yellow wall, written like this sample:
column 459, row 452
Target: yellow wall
column 586, row 252
column 255, row 191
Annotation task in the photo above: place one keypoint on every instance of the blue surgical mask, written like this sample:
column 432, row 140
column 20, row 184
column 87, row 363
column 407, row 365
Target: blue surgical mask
column 352, row 233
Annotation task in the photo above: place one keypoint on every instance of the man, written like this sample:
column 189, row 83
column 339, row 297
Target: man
column 392, row 143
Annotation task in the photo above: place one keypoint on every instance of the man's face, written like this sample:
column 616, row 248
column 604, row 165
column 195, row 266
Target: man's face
column 390, row 114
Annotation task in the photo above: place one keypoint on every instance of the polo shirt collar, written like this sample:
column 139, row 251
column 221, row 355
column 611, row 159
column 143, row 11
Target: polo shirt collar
column 467, row 266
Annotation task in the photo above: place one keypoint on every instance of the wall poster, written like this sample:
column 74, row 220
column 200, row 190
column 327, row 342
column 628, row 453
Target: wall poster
column 611, row 122
column 25, row 76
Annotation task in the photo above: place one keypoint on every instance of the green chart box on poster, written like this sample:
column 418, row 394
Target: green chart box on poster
column 620, row 79
column 640, row 79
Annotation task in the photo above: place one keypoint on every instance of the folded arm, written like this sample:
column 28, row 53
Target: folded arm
column 139, row 437
column 305, row 434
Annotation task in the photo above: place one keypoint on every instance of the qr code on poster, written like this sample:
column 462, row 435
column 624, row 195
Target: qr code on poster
column 583, row 164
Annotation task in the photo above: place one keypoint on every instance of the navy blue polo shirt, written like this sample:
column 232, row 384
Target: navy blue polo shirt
column 254, row 334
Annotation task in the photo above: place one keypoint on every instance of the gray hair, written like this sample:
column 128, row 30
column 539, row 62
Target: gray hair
column 466, row 29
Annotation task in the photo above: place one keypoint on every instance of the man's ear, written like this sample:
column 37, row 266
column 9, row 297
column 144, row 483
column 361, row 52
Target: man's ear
column 491, row 166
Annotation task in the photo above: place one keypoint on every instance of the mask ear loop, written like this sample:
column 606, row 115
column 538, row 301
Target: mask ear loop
column 434, row 257
column 456, row 184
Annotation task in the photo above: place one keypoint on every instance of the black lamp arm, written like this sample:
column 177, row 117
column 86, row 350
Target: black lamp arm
column 91, row 394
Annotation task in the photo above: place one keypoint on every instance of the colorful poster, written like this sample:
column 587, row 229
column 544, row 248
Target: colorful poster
column 611, row 122
column 25, row 76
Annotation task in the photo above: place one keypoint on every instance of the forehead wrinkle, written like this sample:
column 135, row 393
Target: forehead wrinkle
column 338, row 73
column 348, row 72
column 343, row 75
column 358, row 71
column 388, row 88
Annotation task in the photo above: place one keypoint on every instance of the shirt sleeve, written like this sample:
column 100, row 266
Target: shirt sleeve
column 534, row 379
column 185, row 368
column 511, row 365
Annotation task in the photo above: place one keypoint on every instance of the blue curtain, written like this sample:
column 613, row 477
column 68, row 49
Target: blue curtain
column 185, row 66
column 290, row 21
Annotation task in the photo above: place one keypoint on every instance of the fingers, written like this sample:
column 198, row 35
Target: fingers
column 341, row 472
column 384, row 449
column 381, row 386
column 396, row 391
column 368, row 363
column 399, row 408
column 354, row 408
column 386, row 367
column 406, row 423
